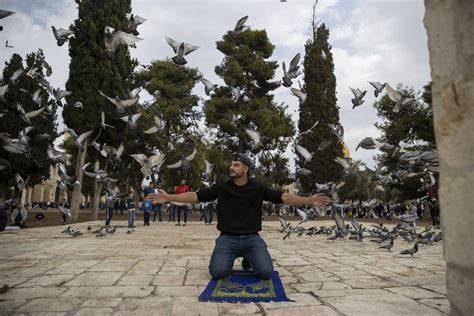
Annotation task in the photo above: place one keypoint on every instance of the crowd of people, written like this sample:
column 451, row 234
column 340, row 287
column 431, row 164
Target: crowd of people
column 178, row 212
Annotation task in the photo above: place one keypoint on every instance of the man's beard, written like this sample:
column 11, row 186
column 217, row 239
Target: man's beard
column 233, row 174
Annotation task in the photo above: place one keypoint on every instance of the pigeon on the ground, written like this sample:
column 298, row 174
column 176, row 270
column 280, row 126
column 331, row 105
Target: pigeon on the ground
column 388, row 246
column 410, row 251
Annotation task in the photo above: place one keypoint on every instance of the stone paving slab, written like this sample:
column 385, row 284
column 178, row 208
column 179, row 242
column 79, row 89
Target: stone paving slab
column 161, row 269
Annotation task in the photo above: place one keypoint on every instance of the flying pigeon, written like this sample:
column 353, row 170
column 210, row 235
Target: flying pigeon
column 358, row 96
column 133, row 22
column 304, row 153
column 255, row 136
column 208, row 86
column 157, row 126
column 240, row 26
column 148, row 163
column 131, row 120
column 121, row 105
column 181, row 49
column 395, row 96
column 114, row 39
column 61, row 35
column 378, row 87
column 292, row 72
column 184, row 161
column 27, row 116
column 299, row 94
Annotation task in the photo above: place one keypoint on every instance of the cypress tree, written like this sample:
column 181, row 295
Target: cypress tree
column 90, row 70
column 320, row 105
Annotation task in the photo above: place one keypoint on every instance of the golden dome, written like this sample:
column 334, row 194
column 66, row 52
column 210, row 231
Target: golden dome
column 345, row 151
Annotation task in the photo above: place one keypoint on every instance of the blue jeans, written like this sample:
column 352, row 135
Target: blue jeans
column 157, row 210
column 131, row 218
column 172, row 213
column 109, row 211
column 250, row 247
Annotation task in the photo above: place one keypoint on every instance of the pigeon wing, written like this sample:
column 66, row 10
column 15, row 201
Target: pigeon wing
column 392, row 94
column 174, row 44
column 34, row 113
column 303, row 152
column 294, row 62
column 240, row 23
column 140, row 158
column 188, row 48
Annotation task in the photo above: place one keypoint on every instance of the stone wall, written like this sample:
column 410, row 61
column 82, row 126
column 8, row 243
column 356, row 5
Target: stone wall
column 450, row 27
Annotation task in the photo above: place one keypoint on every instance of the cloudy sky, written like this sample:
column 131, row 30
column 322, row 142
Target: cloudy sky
column 377, row 40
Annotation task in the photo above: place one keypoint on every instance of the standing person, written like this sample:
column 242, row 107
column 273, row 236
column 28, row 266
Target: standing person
column 157, row 209
column 171, row 212
column 116, row 206
column 131, row 209
column 109, row 207
column 146, row 191
column 63, row 214
column 434, row 212
column 182, row 207
column 146, row 207
column 239, row 218
column 19, row 216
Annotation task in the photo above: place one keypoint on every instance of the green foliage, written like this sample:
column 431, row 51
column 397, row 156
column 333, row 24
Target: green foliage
column 37, row 165
column 413, row 123
column 358, row 185
column 320, row 105
column 245, row 67
column 175, row 105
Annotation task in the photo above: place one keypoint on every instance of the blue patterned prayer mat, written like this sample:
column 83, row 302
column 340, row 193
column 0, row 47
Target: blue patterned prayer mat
column 244, row 288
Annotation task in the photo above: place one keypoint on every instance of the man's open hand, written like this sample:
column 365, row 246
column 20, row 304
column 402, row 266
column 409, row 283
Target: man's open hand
column 158, row 198
column 320, row 200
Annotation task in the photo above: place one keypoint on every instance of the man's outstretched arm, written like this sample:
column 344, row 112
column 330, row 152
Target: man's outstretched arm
column 315, row 200
column 162, row 197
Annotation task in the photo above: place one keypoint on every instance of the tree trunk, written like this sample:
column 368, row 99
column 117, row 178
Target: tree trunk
column 77, row 192
column 96, row 201
column 450, row 28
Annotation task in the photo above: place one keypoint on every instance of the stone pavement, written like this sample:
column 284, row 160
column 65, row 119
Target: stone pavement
column 161, row 270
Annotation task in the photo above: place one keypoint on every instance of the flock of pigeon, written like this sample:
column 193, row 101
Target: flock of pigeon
column 378, row 233
column 101, row 232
